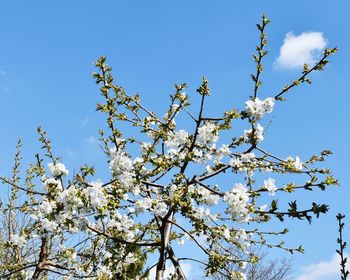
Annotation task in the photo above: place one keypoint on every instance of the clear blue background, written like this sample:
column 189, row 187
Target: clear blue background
column 46, row 54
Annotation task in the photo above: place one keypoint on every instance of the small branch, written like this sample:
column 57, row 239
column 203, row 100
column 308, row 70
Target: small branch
column 342, row 244
column 176, row 263
column 5, row 276
column 124, row 241
column 268, row 154
column 261, row 54
column 191, row 236
column 208, row 188
column 213, row 119
column 4, row 180
column 204, row 177
column 319, row 64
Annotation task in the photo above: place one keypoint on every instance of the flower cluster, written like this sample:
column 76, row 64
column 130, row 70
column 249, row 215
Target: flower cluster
column 177, row 139
column 295, row 164
column 257, row 137
column 269, row 185
column 207, row 197
column 58, row 169
column 122, row 168
column 96, row 195
column 237, row 200
column 207, row 134
column 18, row 240
column 256, row 108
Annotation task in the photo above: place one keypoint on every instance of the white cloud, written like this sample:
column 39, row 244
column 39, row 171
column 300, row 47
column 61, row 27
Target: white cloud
column 85, row 122
column 91, row 141
column 186, row 267
column 324, row 270
column 297, row 50
column 70, row 153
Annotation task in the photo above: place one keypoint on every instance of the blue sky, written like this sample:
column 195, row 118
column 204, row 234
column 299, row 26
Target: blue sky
column 46, row 54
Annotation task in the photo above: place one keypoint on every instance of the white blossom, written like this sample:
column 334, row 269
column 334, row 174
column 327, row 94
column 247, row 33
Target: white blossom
column 235, row 163
column 226, row 233
column 47, row 207
column 103, row 271
column 160, row 209
column 71, row 200
column 143, row 204
column 202, row 213
column 181, row 242
column 121, row 167
column 58, row 169
column 48, row 225
column 257, row 108
column 17, row 240
column 145, row 147
column 52, row 183
column 172, row 190
column 207, row 196
column 269, row 184
column 248, row 157
column 95, row 194
column 224, row 150
column 296, row 163
column 258, row 134
column 237, row 200
column 207, row 133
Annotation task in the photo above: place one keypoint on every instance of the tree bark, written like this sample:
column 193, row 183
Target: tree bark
column 165, row 236
column 42, row 259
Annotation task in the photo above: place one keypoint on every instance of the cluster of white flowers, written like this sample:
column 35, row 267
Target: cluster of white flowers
column 18, row 240
column 48, row 225
column 269, row 184
column 58, row 169
column 175, row 143
column 70, row 199
column 47, row 206
column 174, row 107
column 172, row 190
column 103, row 272
column 248, row 158
column 160, row 209
column 296, row 163
column 202, row 213
column 177, row 139
column 51, row 184
column 200, row 156
column 257, row 108
column 207, row 133
column 221, row 152
column 237, row 200
column 96, row 194
column 122, row 169
column 145, row 146
column 157, row 207
column 240, row 276
column 207, row 196
column 122, row 223
column 243, row 162
column 59, row 212
column 258, row 134
column 109, row 260
column 143, row 204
